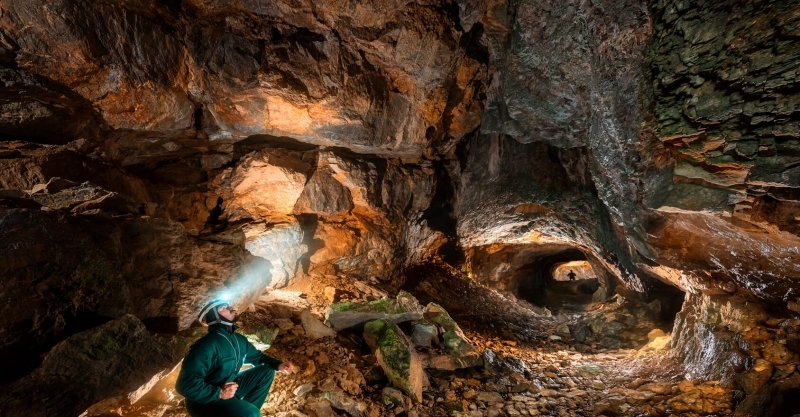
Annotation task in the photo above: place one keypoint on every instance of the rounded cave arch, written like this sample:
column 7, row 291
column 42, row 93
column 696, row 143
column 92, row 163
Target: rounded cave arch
column 544, row 280
column 527, row 271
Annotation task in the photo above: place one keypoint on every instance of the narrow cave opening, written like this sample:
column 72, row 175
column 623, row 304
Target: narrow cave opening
column 559, row 281
column 439, row 216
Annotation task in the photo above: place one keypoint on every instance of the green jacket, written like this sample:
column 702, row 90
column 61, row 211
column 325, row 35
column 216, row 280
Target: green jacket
column 215, row 359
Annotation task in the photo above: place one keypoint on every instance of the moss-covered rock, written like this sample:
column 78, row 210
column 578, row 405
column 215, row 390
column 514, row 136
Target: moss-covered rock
column 345, row 315
column 454, row 341
column 396, row 355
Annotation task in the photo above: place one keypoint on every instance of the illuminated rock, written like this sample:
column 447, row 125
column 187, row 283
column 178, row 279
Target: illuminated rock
column 313, row 327
column 282, row 245
column 266, row 184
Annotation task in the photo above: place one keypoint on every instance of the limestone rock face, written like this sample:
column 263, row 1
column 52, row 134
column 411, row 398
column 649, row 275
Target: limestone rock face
column 321, row 73
column 38, row 109
column 733, row 155
column 265, row 183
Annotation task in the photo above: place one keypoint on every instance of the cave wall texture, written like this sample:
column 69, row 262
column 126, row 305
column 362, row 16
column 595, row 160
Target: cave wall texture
column 157, row 152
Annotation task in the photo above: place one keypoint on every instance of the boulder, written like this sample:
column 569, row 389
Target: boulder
column 454, row 341
column 320, row 407
column 349, row 405
column 331, row 294
column 611, row 343
column 489, row 397
column 396, row 310
column 117, row 358
column 755, row 377
column 397, row 357
column 581, row 332
column 440, row 362
column 313, row 327
column 393, row 397
column 424, row 333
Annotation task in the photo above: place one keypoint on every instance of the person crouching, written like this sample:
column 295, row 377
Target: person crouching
column 210, row 379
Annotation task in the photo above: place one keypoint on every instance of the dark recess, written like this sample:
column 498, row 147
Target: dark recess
column 308, row 223
column 162, row 324
column 21, row 358
column 198, row 119
column 439, row 216
column 259, row 142
column 213, row 222
column 671, row 299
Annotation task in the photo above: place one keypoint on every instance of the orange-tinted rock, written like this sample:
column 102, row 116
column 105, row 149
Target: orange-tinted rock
column 265, row 184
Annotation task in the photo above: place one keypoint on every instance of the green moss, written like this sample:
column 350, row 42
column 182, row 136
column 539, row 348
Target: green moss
column 109, row 346
column 101, row 346
column 343, row 306
column 442, row 318
column 384, row 305
column 452, row 341
column 394, row 354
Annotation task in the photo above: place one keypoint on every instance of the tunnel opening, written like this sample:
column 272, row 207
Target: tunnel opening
column 593, row 306
column 562, row 281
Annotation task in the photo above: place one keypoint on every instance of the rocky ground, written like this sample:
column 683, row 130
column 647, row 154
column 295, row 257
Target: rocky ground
column 532, row 363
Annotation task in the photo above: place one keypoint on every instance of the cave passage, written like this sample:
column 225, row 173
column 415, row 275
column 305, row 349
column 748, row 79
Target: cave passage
column 545, row 281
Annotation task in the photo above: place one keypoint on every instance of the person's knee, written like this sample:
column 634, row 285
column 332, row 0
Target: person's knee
column 251, row 411
column 265, row 373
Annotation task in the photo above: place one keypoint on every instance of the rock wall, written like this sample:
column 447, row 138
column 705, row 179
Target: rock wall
column 721, row 89
column 720, row 92
column 552, row 162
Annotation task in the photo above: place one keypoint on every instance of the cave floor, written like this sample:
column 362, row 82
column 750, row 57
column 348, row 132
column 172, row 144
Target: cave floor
column 535, row 369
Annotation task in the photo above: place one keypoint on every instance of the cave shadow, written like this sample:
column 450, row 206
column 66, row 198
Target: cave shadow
column 23, row 357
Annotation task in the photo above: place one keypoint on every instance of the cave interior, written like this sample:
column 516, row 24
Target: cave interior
column 559, row 208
